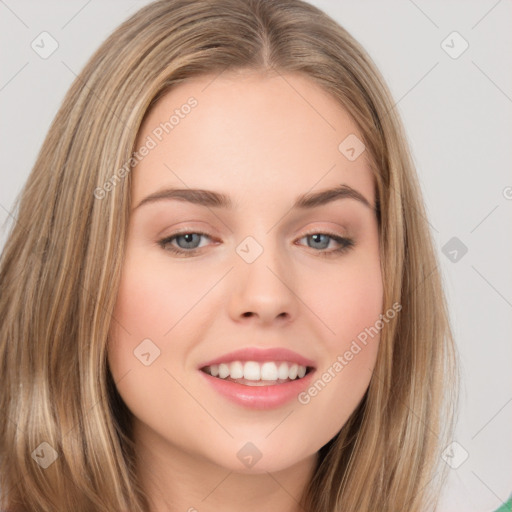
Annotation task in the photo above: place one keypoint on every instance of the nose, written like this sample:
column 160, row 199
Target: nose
column 263, row 292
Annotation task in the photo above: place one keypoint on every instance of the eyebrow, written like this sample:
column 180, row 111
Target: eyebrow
column 213, row 199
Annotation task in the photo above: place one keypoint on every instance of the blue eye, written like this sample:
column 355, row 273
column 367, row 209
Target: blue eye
column 187, row 243
column 323, row 239
column 190, row 240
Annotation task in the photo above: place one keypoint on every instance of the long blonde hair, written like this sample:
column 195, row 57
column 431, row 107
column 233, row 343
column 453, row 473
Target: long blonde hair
column 60, row 270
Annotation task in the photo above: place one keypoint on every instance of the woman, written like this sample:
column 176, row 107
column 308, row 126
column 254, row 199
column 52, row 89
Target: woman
column 258, row 369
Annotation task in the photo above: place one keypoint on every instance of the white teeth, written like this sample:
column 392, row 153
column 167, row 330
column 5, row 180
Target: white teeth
column 255, row 371
column 283, row 371
column 223, row 371
column 252, row 370
column 269, row 371
column 236, row 370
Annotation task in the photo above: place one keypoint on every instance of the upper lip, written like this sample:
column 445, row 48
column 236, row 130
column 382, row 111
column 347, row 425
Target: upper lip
column 261, row 354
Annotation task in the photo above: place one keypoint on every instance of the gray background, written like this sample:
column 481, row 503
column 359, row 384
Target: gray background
column 457, row 114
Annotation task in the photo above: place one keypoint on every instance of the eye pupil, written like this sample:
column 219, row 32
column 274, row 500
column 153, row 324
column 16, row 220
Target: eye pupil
column 316, row 239
column 188, row 239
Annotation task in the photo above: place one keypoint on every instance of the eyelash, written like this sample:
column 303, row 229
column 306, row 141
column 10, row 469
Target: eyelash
column 347, row 243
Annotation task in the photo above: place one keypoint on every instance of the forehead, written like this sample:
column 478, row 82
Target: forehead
column 251, row 136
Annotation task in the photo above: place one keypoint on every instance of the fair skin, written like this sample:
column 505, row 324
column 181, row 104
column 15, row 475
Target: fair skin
column 263, row 140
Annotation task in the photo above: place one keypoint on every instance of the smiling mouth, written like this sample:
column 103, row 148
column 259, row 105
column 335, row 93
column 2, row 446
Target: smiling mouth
column 253, row 373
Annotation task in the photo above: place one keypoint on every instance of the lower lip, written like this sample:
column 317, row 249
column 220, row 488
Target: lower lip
column 260, row 397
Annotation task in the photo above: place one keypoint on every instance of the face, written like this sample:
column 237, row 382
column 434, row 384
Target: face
column 202, row 279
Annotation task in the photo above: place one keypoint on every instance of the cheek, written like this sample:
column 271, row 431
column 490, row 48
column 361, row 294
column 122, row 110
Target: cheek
column 149, row 315
column 348, row 302
column 157, row 302
column 154, row 297
column 347, row 299
column 147, row 308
